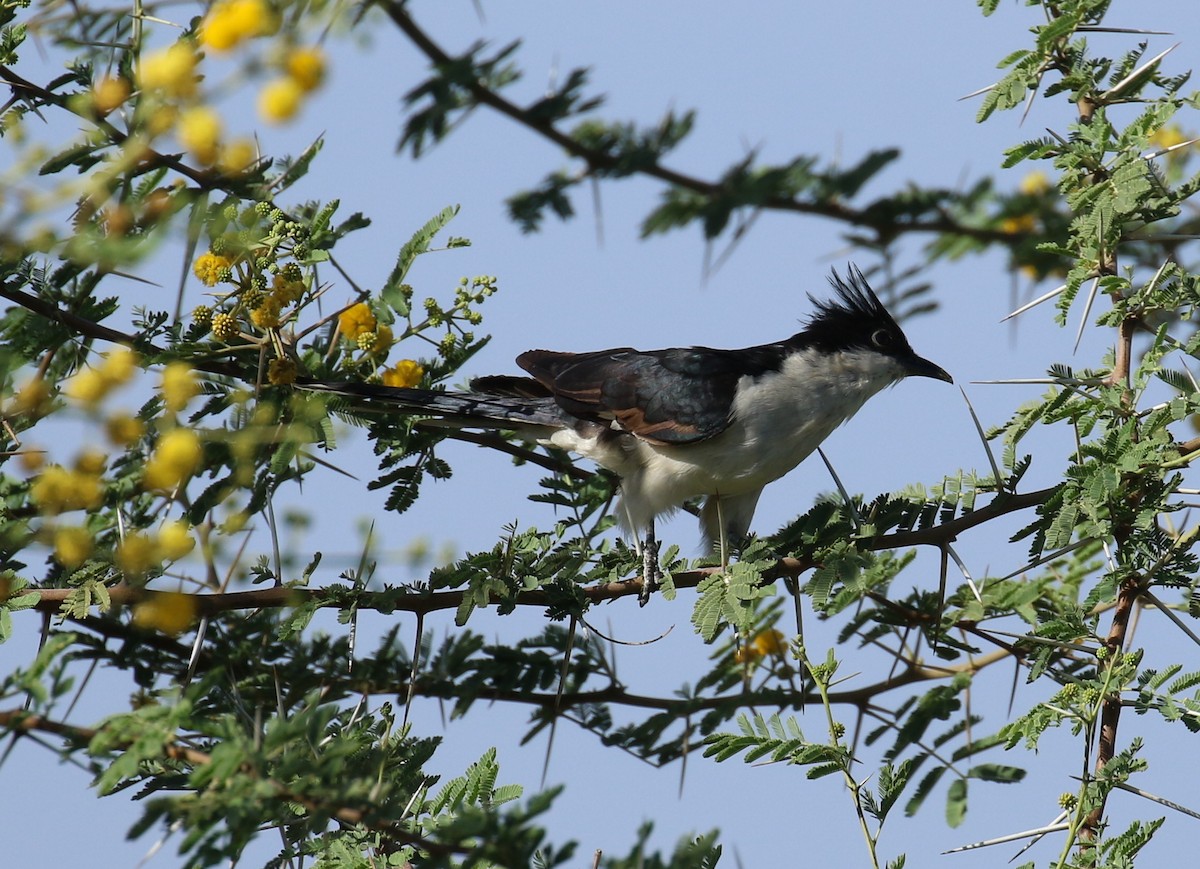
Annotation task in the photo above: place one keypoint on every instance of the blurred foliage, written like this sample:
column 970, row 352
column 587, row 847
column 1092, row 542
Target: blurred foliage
column 154, row 540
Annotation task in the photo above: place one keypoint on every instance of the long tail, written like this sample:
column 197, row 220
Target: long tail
column 459, row 409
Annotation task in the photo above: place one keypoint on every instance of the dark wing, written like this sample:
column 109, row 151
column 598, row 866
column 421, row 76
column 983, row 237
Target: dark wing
column 675, row 396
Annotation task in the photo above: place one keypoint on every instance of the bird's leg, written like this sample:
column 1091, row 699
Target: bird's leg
column 722, row 536
column 651, row 570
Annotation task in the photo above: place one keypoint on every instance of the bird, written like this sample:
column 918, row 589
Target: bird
column 689, row 422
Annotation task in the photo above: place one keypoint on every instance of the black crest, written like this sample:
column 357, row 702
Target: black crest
column 853, row 318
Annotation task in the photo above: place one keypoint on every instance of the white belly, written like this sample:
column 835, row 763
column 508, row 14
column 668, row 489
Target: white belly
column 778, row 420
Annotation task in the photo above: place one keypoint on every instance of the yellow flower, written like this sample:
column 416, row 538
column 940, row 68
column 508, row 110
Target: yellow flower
column 171, row 70
column 771, row 642
column 136, row 554
column 287, row 291
column 231, row 22
column 280, row 100
column 72, row 546
column 1020, row 223
column 169, row 612
column 406, row 374
column 377, row 343
column 108, row 93
column 178, row 386
column 91, row 461
column 33, row 398
column 177, row 457
column 175, row 540
column 119, row 366
column 356, row 320
column 1035, row 183
column 123, row 429
column 747, row 655
column 266, row 315
column 306, row 67
column 1168, row 137
column 161, row 119
column 237, row 156
column 32, row 459
column 281, row 371
column 88, row 386
column 57, row 490
column 200, row 133
column 208, row 267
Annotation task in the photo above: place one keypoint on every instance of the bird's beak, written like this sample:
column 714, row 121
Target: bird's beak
column 918, row 366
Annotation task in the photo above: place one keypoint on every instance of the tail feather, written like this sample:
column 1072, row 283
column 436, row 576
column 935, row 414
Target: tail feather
column 459, row 409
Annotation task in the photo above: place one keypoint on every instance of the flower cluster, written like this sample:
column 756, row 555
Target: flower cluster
column 229, row 23
column 168, row 81
column 247, row 252
column 176, row 457
column 91, row 385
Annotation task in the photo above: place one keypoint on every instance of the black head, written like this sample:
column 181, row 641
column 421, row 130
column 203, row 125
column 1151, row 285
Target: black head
column 857, row 320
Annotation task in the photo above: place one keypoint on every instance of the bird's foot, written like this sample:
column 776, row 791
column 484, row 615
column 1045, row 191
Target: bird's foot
column 652, row 572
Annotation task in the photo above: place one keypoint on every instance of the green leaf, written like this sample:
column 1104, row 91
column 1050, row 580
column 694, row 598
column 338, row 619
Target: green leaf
column 414, row 247
column 956, row 802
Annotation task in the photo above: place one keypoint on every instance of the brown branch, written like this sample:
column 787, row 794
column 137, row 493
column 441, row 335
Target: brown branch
column 1110, row 710
column 51, row 599
column 207, row 179
column 599, row 159
column 92, row 329
column 913, row 673
column 21, row 721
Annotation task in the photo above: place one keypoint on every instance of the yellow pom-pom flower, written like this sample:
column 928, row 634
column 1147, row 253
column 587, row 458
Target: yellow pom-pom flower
column 175, row 540
column 286, row 290
column 169, row 612
column 109, row 93
column 1019, row 223
column 280, row 100
column 771, row 642
column 171, row 70
column 200, row 132
column 209, row 266
column 179, row 386
column 119, row 366
column 306, row 67
column 1035, row 183
column 72, row 546
column 382, row 342
column 1168, row 137
column 88, row 386
column 281, row 371
column 406, row 374
column 33, row 398
column 266, row 315
column 356, row 320
column 177, row 457
column 123, row 429
column 91, row 461
column 136, row 554
column 231, row 22
column 237, row 156
column 58, row 490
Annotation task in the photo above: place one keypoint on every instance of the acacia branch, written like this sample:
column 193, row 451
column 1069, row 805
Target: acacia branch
column 424, row 602
column 597, row 159
column 22, row 721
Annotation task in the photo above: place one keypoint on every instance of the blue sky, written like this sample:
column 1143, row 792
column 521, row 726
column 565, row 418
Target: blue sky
column 780, row 78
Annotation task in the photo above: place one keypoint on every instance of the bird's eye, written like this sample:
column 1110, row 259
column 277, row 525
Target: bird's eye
column 883, row 339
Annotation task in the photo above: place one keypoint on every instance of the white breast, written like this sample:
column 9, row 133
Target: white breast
column 778, row 419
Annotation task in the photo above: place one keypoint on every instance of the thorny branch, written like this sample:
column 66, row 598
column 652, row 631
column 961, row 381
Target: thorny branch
column 20, row 721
